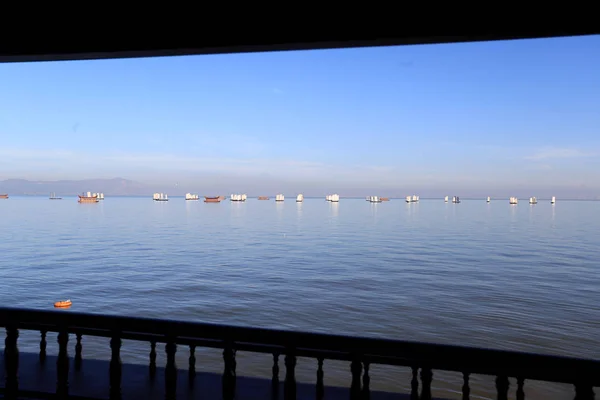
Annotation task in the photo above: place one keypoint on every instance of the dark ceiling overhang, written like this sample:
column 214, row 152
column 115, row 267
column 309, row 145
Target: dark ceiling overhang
column 79, row 45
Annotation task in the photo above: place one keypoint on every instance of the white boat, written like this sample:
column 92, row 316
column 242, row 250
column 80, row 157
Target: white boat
column 279, row 197
column 300, row 198
column 489, row 199
column 160, row 197
column 513, row 200
column 189, row 196
column 375, row 199
column 446, row 199
column 532, row 200
column 553, row 201
column 455, row 199
column 101, row 197
column 334, row 198
column 408, row 199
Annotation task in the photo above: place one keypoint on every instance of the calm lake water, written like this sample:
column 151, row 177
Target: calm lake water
column 490, row 275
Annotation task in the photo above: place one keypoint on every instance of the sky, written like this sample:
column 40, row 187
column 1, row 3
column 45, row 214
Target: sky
column 471, row 118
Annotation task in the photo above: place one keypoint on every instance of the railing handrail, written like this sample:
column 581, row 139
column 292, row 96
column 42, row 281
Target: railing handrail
column 436, row 356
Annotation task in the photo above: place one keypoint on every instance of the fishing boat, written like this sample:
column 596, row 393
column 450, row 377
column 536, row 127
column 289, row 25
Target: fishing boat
column 214, row 199
column 3, row 196
column 263, row 197
column 384, row 198
column 53, row 196
column 87, row 198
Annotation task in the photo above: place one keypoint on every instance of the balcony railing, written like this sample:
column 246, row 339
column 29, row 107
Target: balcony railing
column 423, row 359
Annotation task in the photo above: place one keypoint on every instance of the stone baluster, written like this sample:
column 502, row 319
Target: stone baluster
column 11, row 363
column 320, row 383
column 466, row 389
column 289, row 386
column 502, row 385
column 426, row 378
column 115, row 368
column 229, row 373
column 78, row 351
column 355, row 386
column 171, row 370
column 62, row 365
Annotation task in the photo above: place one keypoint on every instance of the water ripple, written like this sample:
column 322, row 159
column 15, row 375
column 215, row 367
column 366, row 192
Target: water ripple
column 490, row 275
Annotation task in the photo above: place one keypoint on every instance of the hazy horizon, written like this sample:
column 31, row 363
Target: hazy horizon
column 472, row 119
column 125, row 187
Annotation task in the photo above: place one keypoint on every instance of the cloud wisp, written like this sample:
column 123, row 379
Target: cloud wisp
column 75, row 165
column 548, row 153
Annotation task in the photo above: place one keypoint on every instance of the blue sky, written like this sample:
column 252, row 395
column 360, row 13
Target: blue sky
column 474, row 115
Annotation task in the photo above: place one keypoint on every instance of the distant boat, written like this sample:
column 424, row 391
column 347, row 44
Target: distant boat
column 101, row 196
column 214, row 199
column 160, row 197
column 300, row 198
column 53, row 196
column 189, row 196
column 87, row 198
column 455, row 199
column 3, row 196
column 375, row 199
column 238, row 197
column 263, row 197
column 446, row 199
column 279, row 197
column 532, row 200
column 384, row 198
column 513, row 200
column 489, row 199
column 553, row 201
column 334, row 198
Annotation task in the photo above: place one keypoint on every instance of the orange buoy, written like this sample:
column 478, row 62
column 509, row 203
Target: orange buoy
column 63, row 304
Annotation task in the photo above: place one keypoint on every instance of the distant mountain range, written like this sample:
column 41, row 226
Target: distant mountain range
column 114, row 187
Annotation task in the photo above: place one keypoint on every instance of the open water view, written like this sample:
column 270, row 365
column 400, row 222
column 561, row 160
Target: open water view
column 519, row 277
